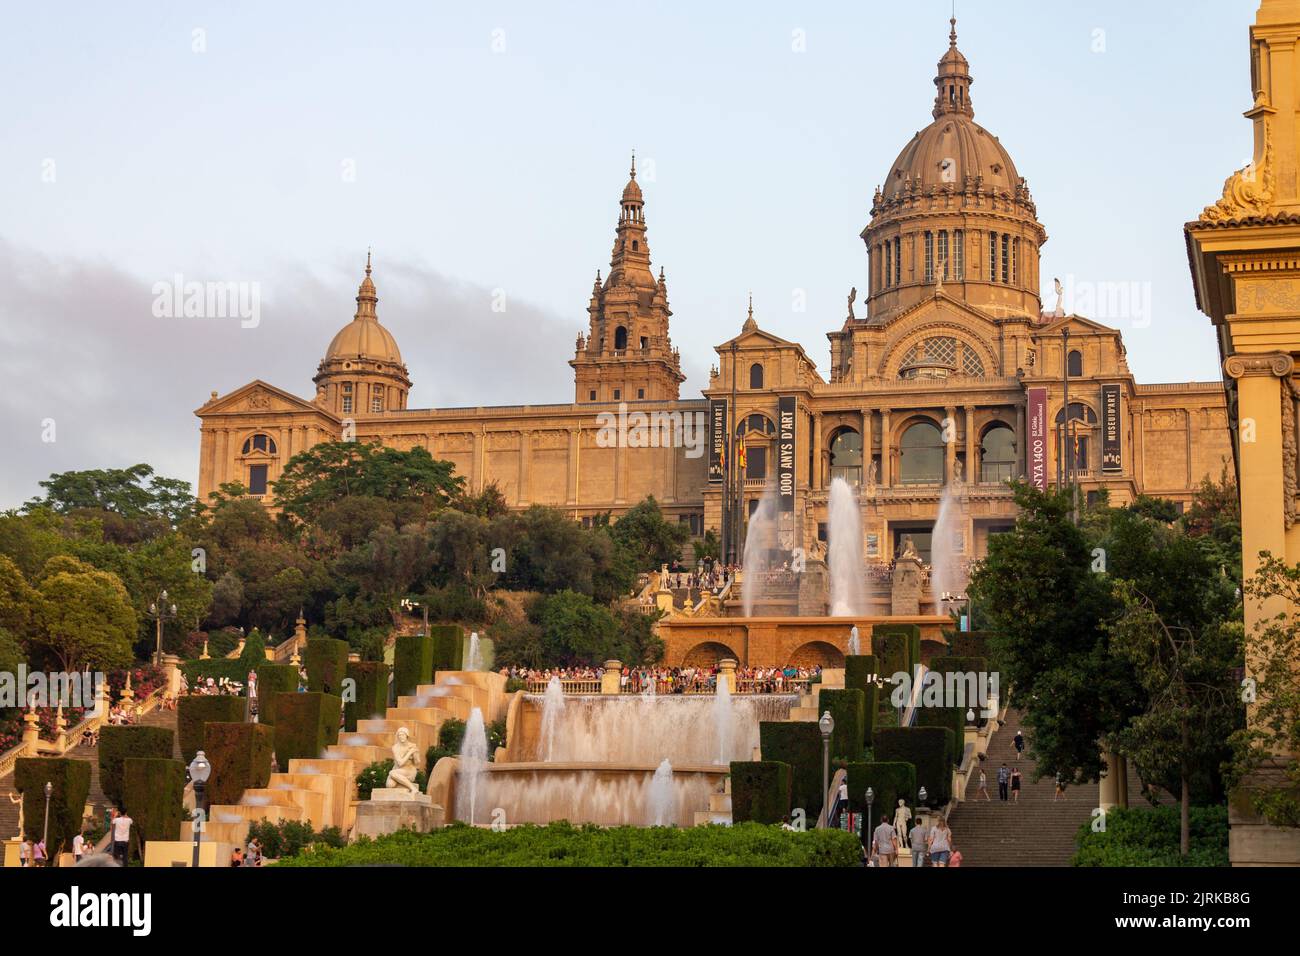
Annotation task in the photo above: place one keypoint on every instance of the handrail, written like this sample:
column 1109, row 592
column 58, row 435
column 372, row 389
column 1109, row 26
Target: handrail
column 909, row 716
column 832, row 800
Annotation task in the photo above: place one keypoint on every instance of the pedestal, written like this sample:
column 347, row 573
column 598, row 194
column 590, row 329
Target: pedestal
column 388, row 811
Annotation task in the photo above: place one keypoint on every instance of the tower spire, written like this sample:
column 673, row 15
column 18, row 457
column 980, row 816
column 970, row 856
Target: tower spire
column 953, row 81
column 366, row 296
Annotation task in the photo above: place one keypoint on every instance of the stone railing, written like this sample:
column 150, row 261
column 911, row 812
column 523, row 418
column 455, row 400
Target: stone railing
column 581, row 686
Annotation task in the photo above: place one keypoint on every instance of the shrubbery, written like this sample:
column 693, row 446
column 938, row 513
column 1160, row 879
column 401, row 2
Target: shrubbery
column 560, row 844
column 153, row 791
column 71, row 781
column 799, row 744
column 1148, row 836
column 305, row 724
column 273, row 679
column 890, row 782
column 371, row 686
column 326, row 659
column 928, row 749
column 194, row 711
column 116, row 744
column 412, row 664
column 240, row 755
column 288, row 838
column 760, row 791
column 847, row 707
column 448, row 647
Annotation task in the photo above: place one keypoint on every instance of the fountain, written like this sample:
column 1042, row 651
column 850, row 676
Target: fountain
column 724, row 719
column 760, row 543
column 844, row 553
column 855, row 645
column 475, row 657
column 945, row 575
column 662, row 798
column 552, row 708
column 473, row 763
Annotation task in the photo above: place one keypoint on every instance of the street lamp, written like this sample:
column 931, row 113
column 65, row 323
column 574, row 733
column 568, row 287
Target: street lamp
column 45, row 836
column 827, row 727
column 866, row 824
column 200, row 769
column 161, row 611
column 921, row 797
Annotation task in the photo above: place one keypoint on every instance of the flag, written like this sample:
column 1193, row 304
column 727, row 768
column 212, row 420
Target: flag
column 740, row 453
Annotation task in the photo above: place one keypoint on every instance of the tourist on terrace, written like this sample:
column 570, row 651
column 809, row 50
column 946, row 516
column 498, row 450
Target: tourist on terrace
column 884, row 842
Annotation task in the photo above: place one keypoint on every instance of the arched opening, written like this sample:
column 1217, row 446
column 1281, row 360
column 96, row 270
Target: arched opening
column 846, row 455
column 1073, row 441
column 817, row 654
column 708, row 654
column 756, row 375
column 920, row 455
column 260, row 442
column 998, row 456
column 1079, row 412
column 620, row 338
column 1074, row 363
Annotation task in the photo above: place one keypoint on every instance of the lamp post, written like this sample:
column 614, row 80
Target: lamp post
column 827, row 727
column 920, row 799
column 200, row 769
column 45, row 836
column 866, row 824
column 161, row 611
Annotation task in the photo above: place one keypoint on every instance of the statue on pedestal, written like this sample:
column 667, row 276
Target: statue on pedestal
column 404, row 763
column 902, row 817
column 907, row 549
column 18, row 799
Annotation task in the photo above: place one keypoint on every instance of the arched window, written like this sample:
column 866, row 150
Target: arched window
column 260, row 443
column 920, row 455
column 756, row 375
column 846, row 456
column 1074, row 363
column 1079, row 412
column 756, row 423
column 620, row 339
column 998, row 455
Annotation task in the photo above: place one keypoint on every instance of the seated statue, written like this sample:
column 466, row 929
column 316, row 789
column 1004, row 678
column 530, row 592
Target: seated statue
column 405, row 766
column 907, row 549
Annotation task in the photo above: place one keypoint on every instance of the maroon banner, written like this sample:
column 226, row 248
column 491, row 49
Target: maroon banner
column 1036, row 452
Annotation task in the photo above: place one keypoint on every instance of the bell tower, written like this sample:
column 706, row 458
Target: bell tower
column 626, row 355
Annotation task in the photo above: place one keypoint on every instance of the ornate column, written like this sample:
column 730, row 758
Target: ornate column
column 525, row 453
column 972, row 447
column 575, row 438
column 1022, row 440
column 886, row 471
column 817, row 480
column 866, row 443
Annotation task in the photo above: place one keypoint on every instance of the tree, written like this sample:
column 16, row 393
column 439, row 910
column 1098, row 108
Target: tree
column 84, row 617
column 651, row 540
column 709, row 547
column 121, row 491
column 575, row 631
column 1191, row 705
column 1157, row 509
column 1214, row 519
column 332, row 471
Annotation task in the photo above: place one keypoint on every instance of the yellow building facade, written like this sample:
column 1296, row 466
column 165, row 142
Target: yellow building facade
column 949, row 375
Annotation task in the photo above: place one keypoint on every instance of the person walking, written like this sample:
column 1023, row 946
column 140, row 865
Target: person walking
column 919, row 837
column 38, row 853
column 1004, row 776
column 1060, row 788
column 984, row 785
column 25, row 852
column 78, row 848
column 1019, row 741
column 884, row 842
column 1015, row 785
column 940, row 843
column 121, row 835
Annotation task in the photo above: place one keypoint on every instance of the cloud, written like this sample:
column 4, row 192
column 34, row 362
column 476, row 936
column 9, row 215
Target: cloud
column 82, row 351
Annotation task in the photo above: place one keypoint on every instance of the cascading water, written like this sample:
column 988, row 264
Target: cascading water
column 724, row 719
column 661, row 809
column 844, row 553
column 760, row 543
column 473, row 762
column 945, row 575
column 475, row 656
column 552, row 709
column 855, row 646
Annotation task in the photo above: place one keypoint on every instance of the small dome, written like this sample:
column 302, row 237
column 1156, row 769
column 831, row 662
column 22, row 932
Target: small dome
column 632, row 192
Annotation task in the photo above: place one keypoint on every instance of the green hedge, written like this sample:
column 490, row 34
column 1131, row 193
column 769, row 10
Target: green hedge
column 799, row 744
column 965, row 696
column 1149, row 836
column 273, row 679
column 193, row 712
column 116, row 744
column 154, row 798
column 71, row 780
column 928, row 749
column 951, row 718
column 448, row 647
column 560, row 844
column 968, row 643
column 891, row 782
column 897, row 647
column 250, row 658
column 858, row 669
column 306, row 724
column 240, row 755
column 760, row 791
column 327, row 661
column 370, row 683
column 848, row 709
column 412, row 664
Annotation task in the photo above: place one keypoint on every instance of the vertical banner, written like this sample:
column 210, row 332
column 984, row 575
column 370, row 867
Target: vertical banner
column 1036, row 451
column 717, row 438
column 1111, row 454
column 785, row 453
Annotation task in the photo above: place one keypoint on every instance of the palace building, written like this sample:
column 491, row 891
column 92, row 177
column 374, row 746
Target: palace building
column 948, row 375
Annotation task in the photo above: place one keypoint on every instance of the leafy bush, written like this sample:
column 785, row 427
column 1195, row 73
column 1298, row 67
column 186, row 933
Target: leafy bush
column 327, row 661
column 193, row 712
column 799, row 744
column 240, row 755
column 928, row 749
column 951, row 718
column 412, row 664
column 760, row 791
column 968, row 643
column 71, row 780
column 1148, row 836
column 375, row 777
column 561, row 844
column 273, row 679
column 153, row 791
column 452, row 734
column 448, row 647
column 890, row 782
column 288, row 838
column 847, row 708
column 250, row 658
column 371, row 685
column 897, row 648
column 116, row 744
column 305, row 724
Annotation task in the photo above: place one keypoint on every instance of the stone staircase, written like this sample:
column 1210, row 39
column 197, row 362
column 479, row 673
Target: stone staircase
column 323, row 790
column 1035, row 832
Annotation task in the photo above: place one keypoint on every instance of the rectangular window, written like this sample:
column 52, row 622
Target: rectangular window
column 943, row 251
column 347, row 398
column 257, row 479
column 959, row 255
column 377, row 399
column 1015, row 262
column 640, row 393
column 929, row 257
column 993, row 257
column 756, row 463
column 898, row 260
column 889, row 262
column 592, row 397
column 618, row 393
column 821, row 530
column 1006, row 277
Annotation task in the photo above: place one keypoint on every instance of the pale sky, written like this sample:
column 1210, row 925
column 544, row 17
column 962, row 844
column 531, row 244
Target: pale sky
column 481, row 149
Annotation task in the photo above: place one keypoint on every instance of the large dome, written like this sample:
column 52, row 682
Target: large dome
column 364, row 337
column 949, row 150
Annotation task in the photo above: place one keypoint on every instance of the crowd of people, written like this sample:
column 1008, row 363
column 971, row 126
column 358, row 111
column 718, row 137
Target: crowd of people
column 675, row 680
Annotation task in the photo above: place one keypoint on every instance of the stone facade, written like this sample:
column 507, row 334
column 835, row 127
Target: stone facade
column 931, row 389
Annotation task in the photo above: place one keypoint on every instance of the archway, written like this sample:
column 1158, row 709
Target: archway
column 920, row 454
column 708, row 654
column 817, row 653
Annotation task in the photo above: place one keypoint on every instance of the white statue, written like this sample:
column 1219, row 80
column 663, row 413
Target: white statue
column 404, row 763
column 902, row 817
column 854, row 646
column 907, row 549
column 18, row 799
